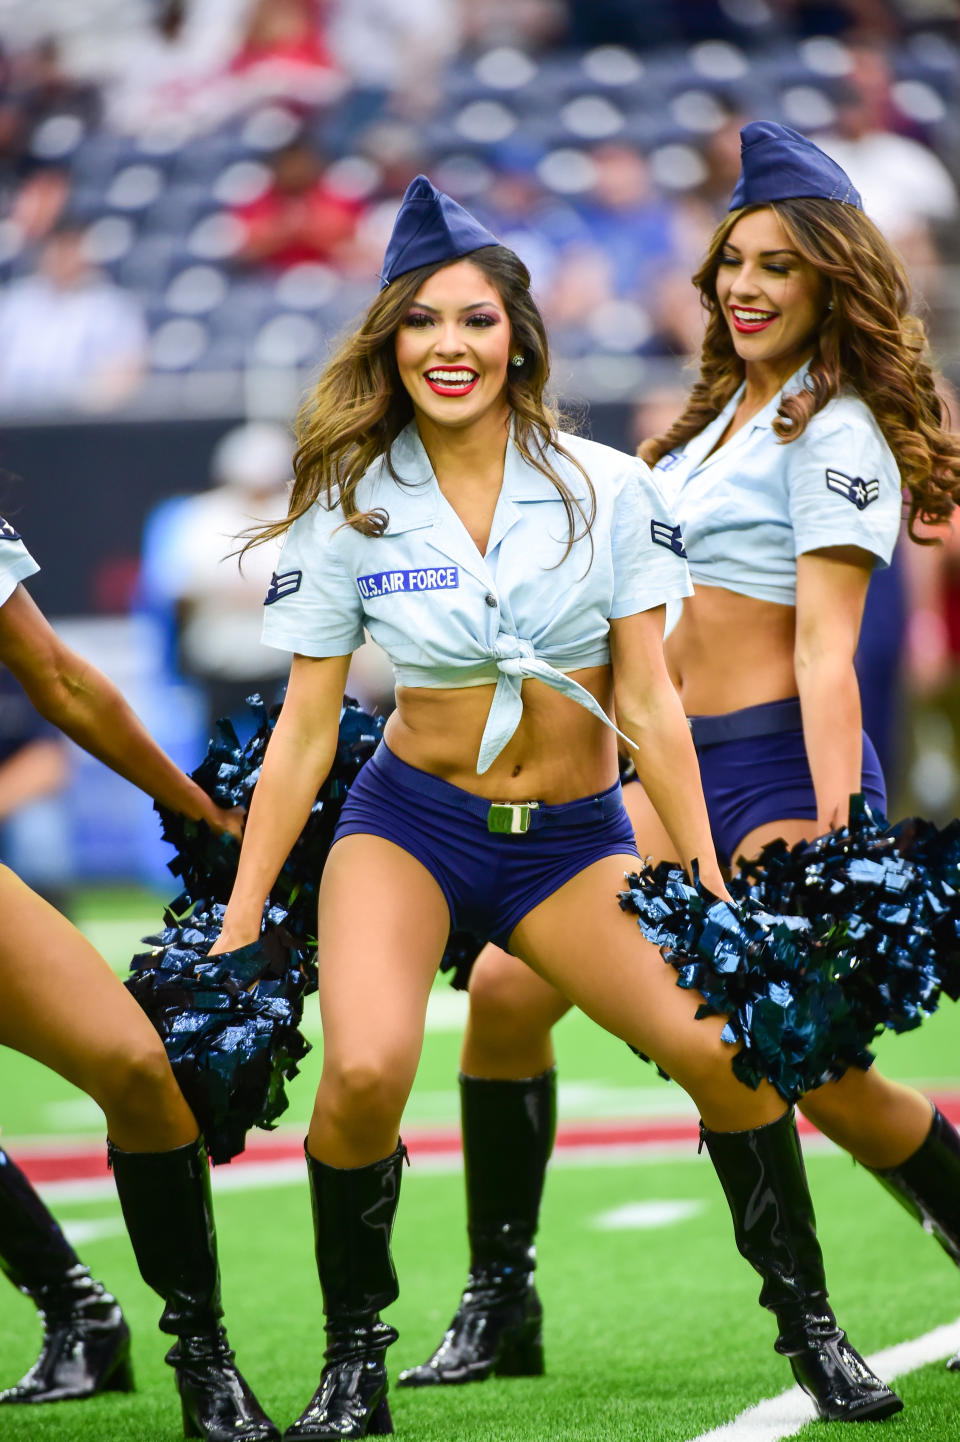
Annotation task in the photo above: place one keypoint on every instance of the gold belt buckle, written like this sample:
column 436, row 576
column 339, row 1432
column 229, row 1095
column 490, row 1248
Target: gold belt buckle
column 510, row 818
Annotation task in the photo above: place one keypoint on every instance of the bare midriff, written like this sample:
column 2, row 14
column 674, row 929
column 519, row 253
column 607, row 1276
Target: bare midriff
column 730, row 651
column 559, row 751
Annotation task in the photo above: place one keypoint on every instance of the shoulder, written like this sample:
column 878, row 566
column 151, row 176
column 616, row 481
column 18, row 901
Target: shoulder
column 609, row 470
column 312, row 536
column 845, row 424
column 16, row 562
column 605, row 460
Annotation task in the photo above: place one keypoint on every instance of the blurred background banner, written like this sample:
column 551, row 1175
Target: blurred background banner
column 194, row 201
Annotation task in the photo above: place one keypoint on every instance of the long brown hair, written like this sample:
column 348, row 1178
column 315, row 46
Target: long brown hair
column 868, row 340
column 360, row 405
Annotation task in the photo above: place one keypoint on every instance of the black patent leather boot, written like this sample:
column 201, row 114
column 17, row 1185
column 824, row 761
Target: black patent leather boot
column 927, row 1184
column 86, row 1342
column 353, row 1213
column 762, row 1174
column 168, row 1209
column 508, row 1132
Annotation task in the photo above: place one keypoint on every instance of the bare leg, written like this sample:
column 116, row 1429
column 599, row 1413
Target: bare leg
column 880, row 1122
column 63, row 1006
column 377, row 964
column 511, row 1018
column 378, row 958
column 595, row 955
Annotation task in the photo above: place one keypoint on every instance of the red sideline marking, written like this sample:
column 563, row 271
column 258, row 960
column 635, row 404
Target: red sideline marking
column 52, row 1161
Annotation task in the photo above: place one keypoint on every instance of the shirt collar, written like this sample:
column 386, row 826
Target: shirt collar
column 411, row 502
column 699, row 449
column 414, row 502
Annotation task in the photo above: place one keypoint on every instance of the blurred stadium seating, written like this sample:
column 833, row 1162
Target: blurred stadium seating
column 159, row 128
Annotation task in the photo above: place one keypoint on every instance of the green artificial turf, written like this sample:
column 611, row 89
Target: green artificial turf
column 652, row 1335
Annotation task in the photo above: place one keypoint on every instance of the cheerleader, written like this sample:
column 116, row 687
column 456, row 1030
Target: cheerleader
column 815, row 405
column 517, row 578
column 63, row 1006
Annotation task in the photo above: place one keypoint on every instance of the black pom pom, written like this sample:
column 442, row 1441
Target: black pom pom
column 229, row 1022
column 207, row 862
column 829, row 943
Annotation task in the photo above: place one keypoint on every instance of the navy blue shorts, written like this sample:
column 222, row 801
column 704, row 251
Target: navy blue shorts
column 754, row 768
column 491, row 880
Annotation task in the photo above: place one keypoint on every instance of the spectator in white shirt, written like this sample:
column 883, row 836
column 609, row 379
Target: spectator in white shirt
column 72, row 340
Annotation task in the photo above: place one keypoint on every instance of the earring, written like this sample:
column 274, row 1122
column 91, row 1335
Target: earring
column 516, row 360
column 829, row 305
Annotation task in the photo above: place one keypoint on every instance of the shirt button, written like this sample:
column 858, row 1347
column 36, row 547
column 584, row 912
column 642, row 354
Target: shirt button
column 490, row 599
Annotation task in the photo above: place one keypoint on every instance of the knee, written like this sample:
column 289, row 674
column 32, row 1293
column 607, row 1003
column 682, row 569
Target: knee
column 704, row 1070
column 363, row 1090
column 845, row 1105
column 493, row 990
column 501, row 1013
column 141, row 1087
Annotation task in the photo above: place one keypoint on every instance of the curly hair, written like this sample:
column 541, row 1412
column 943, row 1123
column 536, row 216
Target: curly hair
column 360, row 406
column 868, row 340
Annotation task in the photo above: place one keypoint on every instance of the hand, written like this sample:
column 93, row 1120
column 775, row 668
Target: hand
column 230, row 820
column 232, row 940
column 713, row 880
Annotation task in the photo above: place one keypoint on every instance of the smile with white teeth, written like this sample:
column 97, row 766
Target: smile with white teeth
column 451, row 380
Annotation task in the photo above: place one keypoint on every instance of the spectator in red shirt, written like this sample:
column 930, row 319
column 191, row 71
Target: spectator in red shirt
column 283, row 33
column 300, row 218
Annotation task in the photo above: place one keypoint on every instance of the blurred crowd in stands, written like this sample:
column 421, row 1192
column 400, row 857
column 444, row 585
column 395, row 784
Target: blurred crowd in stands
column 195, row 197
column 200, row 189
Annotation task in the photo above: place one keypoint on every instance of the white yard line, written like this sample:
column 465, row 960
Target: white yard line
column 783, row 1416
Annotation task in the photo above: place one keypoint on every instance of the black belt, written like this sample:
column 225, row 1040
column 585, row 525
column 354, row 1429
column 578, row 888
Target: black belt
column 768, row 719
column 510, row 817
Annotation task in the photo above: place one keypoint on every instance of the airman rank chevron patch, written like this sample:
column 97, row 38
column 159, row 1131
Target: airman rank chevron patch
column 284, row 584
column 853, row 488
column 663, row 535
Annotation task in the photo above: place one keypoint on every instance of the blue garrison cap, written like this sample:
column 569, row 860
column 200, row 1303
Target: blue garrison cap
column 777, row 163
column 430, row 227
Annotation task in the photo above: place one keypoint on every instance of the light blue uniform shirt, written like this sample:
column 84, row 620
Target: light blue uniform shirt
column 752, row 507
column 16, row 562
column 449, row 617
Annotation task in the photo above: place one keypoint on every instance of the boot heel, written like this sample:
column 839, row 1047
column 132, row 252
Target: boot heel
column 523, row 1355
column 381, row 1423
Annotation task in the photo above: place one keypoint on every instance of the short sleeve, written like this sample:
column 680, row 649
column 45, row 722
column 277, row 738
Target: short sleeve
column 649, row 560
column 844, row 486
column 16, row 562
column 313, row 606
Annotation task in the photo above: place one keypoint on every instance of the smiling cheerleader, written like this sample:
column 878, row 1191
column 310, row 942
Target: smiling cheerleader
column 814, row 410
column 493, row 800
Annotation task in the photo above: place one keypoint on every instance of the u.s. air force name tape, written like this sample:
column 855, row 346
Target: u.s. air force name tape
column 388, row 583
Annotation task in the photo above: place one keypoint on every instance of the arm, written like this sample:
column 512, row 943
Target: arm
column 649, row 710
column 927, row 574
column 297, row 760
column 831, row 591
column 77, row 698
